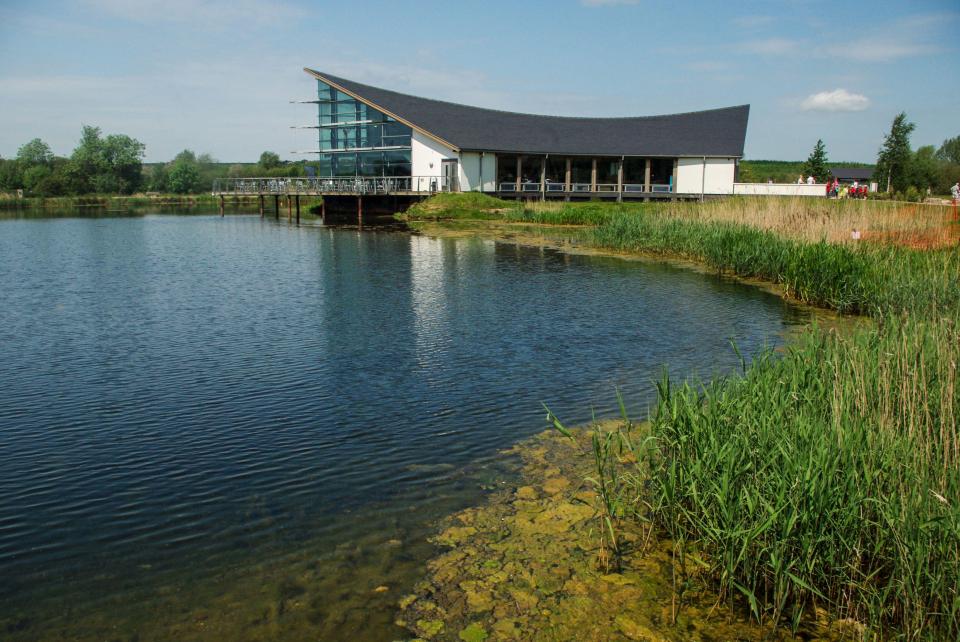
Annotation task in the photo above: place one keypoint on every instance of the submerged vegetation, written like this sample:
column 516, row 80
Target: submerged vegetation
column 824, row 479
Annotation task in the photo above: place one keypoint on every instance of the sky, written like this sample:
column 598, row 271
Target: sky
column 217, row 76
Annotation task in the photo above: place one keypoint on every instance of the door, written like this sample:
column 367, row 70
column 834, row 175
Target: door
column 449, row 174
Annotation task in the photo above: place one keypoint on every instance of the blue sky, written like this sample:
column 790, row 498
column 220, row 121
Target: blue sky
column 216, row 75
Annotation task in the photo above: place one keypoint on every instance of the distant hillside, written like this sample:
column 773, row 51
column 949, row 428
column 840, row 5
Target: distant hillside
column 760, row 171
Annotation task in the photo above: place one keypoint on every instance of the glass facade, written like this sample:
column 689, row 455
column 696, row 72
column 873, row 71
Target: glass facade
column 357, row 140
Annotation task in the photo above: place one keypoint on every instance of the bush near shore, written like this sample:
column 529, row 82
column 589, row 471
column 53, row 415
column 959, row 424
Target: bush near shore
column 827, row 477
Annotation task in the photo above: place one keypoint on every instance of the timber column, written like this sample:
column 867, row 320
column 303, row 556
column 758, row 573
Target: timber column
column 221, row 205
column 620, row 181
column 261, row 205
column 298, row 208
column 360, row 211
column 276, row 206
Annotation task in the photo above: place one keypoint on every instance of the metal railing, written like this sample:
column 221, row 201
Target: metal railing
column 352, row 185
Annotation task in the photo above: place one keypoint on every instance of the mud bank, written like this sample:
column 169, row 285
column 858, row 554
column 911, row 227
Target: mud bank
column 530, row 565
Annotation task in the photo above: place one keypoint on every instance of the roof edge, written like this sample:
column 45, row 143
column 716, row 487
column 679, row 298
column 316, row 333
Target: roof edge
column 325, row 78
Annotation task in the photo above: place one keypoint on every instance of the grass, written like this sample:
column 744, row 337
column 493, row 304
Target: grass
column 825, row 478
column 828, row 477
column 862, row 278
column 109, row 201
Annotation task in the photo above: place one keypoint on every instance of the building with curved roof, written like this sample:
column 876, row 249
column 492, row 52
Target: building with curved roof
column 367, row 131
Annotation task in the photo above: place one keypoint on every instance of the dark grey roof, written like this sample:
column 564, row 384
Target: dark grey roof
column 852, row 173
column 716, row 132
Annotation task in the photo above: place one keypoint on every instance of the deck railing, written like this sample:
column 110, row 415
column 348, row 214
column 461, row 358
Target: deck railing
column 529, row 186
column 353, row 185
column 362, row 185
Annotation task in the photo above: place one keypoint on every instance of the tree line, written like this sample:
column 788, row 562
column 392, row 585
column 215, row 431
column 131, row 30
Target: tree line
column 900, row 171
column 113, row 164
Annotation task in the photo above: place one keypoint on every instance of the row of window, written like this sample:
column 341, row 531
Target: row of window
column 375, row 163
column 359, row 136
column 581, row 169
column 388, row 140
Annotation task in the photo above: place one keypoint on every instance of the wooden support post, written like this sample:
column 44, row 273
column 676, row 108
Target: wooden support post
column 567, row 176
column 673, row 177
column 221, row 205
column 261, row 205
column 360, row 211
column 646, row 175
column 519, row 169
column 593, row 176
column 289, row 208
column 323, row 211
column 276, row 206
column 620, row 180
column 298, row 208
column 543, row 178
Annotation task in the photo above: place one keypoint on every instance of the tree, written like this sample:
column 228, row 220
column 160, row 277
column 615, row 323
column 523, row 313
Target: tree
column 36, row 152
column 184, row 177
column 924, row 169
column 11, row 175
column 157, row 178
column 894, row 158
column 269, row 160
column 186, row 155
column 111, row 164
column 950, row 151
column 34, row 176
column 816, row 164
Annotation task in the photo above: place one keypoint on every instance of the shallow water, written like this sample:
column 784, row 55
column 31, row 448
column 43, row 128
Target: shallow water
column 228, row 428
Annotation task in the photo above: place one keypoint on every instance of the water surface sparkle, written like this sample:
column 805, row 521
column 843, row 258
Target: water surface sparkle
column 190, row 404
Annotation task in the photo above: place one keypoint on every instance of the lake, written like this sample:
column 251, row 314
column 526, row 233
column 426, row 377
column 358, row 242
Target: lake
column 234, row 428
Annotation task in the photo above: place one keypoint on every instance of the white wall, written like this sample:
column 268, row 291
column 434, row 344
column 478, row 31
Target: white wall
column 426, row 151
column 780, row 189
column 719, row 176
column 470, row 172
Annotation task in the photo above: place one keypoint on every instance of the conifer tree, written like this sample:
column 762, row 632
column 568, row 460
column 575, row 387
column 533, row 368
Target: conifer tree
column 893, row 161
column 816, row 164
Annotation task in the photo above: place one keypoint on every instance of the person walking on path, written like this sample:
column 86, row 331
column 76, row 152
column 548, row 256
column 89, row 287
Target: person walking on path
column 955, row 192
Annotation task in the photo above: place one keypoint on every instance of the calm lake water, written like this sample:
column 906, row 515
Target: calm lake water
column 238, row 429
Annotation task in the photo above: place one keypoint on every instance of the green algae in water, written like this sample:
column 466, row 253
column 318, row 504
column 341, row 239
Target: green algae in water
column 524, row 567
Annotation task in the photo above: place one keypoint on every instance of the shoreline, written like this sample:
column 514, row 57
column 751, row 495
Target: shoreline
column 528, row 563
column 890, row 367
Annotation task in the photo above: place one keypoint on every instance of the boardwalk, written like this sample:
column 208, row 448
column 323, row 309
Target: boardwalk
column 353, row 186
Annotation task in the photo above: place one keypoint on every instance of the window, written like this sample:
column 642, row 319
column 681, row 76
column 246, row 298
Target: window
column 369, row 130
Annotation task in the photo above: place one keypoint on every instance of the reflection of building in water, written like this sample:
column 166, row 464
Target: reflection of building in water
column 366, row 131
column 431, row 331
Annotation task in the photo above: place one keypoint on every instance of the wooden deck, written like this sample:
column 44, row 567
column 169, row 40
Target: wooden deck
column 423, row 186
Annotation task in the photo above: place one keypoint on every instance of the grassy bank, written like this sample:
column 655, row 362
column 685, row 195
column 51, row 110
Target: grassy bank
column 124, row 202
column 802, row 245
column 826, row 479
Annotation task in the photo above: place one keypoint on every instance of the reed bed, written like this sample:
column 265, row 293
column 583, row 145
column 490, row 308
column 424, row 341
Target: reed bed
column 821, row 480
column 864, row 278
column 804, row 219
column 828, row 477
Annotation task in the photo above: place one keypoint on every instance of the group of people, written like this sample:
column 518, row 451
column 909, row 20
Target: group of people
column 836, row 190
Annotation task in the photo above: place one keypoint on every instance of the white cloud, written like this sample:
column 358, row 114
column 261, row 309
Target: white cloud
column 836, row 100
column 707, row 66
column 878, row 50
column 753, row 22
column 770, row 46
column 607, row 3
column 200, row 13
